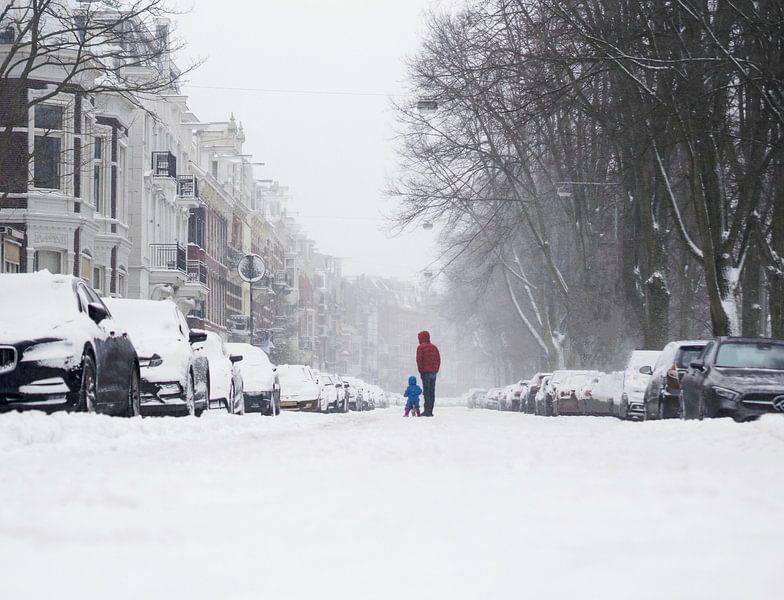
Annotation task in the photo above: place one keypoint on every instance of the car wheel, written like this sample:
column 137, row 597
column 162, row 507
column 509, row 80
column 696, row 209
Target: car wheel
column 190, row 397
column 87, row 390
column 134, row 408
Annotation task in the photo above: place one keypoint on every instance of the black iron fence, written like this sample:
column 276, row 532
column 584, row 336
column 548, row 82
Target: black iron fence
column 171, row 257
column 197, row 272
column 164, row 164
column 187, row 186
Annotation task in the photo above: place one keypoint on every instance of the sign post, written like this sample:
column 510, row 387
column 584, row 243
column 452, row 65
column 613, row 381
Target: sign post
column 251, row 268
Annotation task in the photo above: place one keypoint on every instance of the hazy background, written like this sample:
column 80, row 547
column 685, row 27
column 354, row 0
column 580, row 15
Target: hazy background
column 335, row 152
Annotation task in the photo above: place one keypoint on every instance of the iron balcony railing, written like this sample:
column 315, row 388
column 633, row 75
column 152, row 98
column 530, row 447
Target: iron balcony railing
column 187, row 186
column 197, row 272
column 170, row 257
column 164, row 164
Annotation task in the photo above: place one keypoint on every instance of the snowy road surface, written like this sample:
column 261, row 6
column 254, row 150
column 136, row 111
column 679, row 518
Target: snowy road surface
column 471, row 504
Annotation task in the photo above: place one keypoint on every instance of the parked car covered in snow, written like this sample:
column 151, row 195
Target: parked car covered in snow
column 343, row 392
column 61, row 349
column 493, row 398
column 540, row 398
column 355, row 393
column 663, row 394
column 605, row 397
column 572, row 391
column 546, row 398
column 742, row 378
column 225, row 381
column 330, row 393
column 513, row 395
column 300, row 389
column 635, row 379
column 528, row 404
column 261, row 384
column 474, row 397
column 371, row 392
column 174, row 378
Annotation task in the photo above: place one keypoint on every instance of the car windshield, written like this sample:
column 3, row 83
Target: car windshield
column 687, row 355
column 147, row 319
column 751, row 355
column 294, row 377
column 40, row 295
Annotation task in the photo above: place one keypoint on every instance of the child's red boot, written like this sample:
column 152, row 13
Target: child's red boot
column 405, row 414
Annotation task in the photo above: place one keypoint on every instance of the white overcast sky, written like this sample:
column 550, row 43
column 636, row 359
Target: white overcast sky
column 334, row 151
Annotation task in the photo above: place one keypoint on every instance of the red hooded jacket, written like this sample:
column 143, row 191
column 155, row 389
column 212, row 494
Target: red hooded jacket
column 428, row 358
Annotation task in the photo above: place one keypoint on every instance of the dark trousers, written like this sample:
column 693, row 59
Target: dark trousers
column 429, row 392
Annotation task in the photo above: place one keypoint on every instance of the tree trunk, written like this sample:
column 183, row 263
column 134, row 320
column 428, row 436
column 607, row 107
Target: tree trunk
column 775, row 277
column 751, row 308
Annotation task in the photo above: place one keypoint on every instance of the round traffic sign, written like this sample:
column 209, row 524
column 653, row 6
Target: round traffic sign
column 251, row 268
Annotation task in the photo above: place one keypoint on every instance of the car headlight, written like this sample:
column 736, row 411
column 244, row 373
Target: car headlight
column 725, row 393
column 54, row 353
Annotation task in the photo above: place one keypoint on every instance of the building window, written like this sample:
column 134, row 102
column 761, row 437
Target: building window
column 97, row 195
column 49, row 117
column 47, row 159
column 98, row 280
column 48, row 148
column 7, row 34
column 12, row 255
column 120, row 186
column 86, row 268
column 49, row 260
column 215, row 169
column 98, row 148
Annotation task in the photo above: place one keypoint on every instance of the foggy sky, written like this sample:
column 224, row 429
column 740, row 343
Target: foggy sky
column 334, row 151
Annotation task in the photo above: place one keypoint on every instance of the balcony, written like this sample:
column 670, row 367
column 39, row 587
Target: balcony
column 187, row 186
column 197, row 272
column 233, row 256
column 164, row 164
column 168, row 257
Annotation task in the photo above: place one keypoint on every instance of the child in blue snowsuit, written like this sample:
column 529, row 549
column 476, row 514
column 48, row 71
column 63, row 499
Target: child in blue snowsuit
column 412, row 394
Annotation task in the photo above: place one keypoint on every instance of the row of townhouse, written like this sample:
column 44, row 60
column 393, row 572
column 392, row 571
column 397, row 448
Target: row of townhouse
column 140, row 198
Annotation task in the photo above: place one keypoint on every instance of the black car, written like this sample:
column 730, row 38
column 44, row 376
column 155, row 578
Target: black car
column 742, row 378
column 60, row 348
column 663, row 394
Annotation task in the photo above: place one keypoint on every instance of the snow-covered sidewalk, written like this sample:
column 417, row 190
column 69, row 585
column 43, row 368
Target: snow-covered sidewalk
column 470, row 504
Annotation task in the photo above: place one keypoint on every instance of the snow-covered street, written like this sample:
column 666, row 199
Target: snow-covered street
column 470, row 504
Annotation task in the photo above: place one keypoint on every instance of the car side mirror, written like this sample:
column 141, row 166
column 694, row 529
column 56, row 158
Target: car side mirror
column 197, row 335
column 646, row 370
column 235, row 358
column 97, row 312
column 698, row 365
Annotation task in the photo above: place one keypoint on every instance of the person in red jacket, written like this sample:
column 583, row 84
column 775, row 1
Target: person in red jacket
column 428, row 360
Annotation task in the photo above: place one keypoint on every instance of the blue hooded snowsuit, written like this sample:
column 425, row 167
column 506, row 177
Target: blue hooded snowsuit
column 412, row 394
